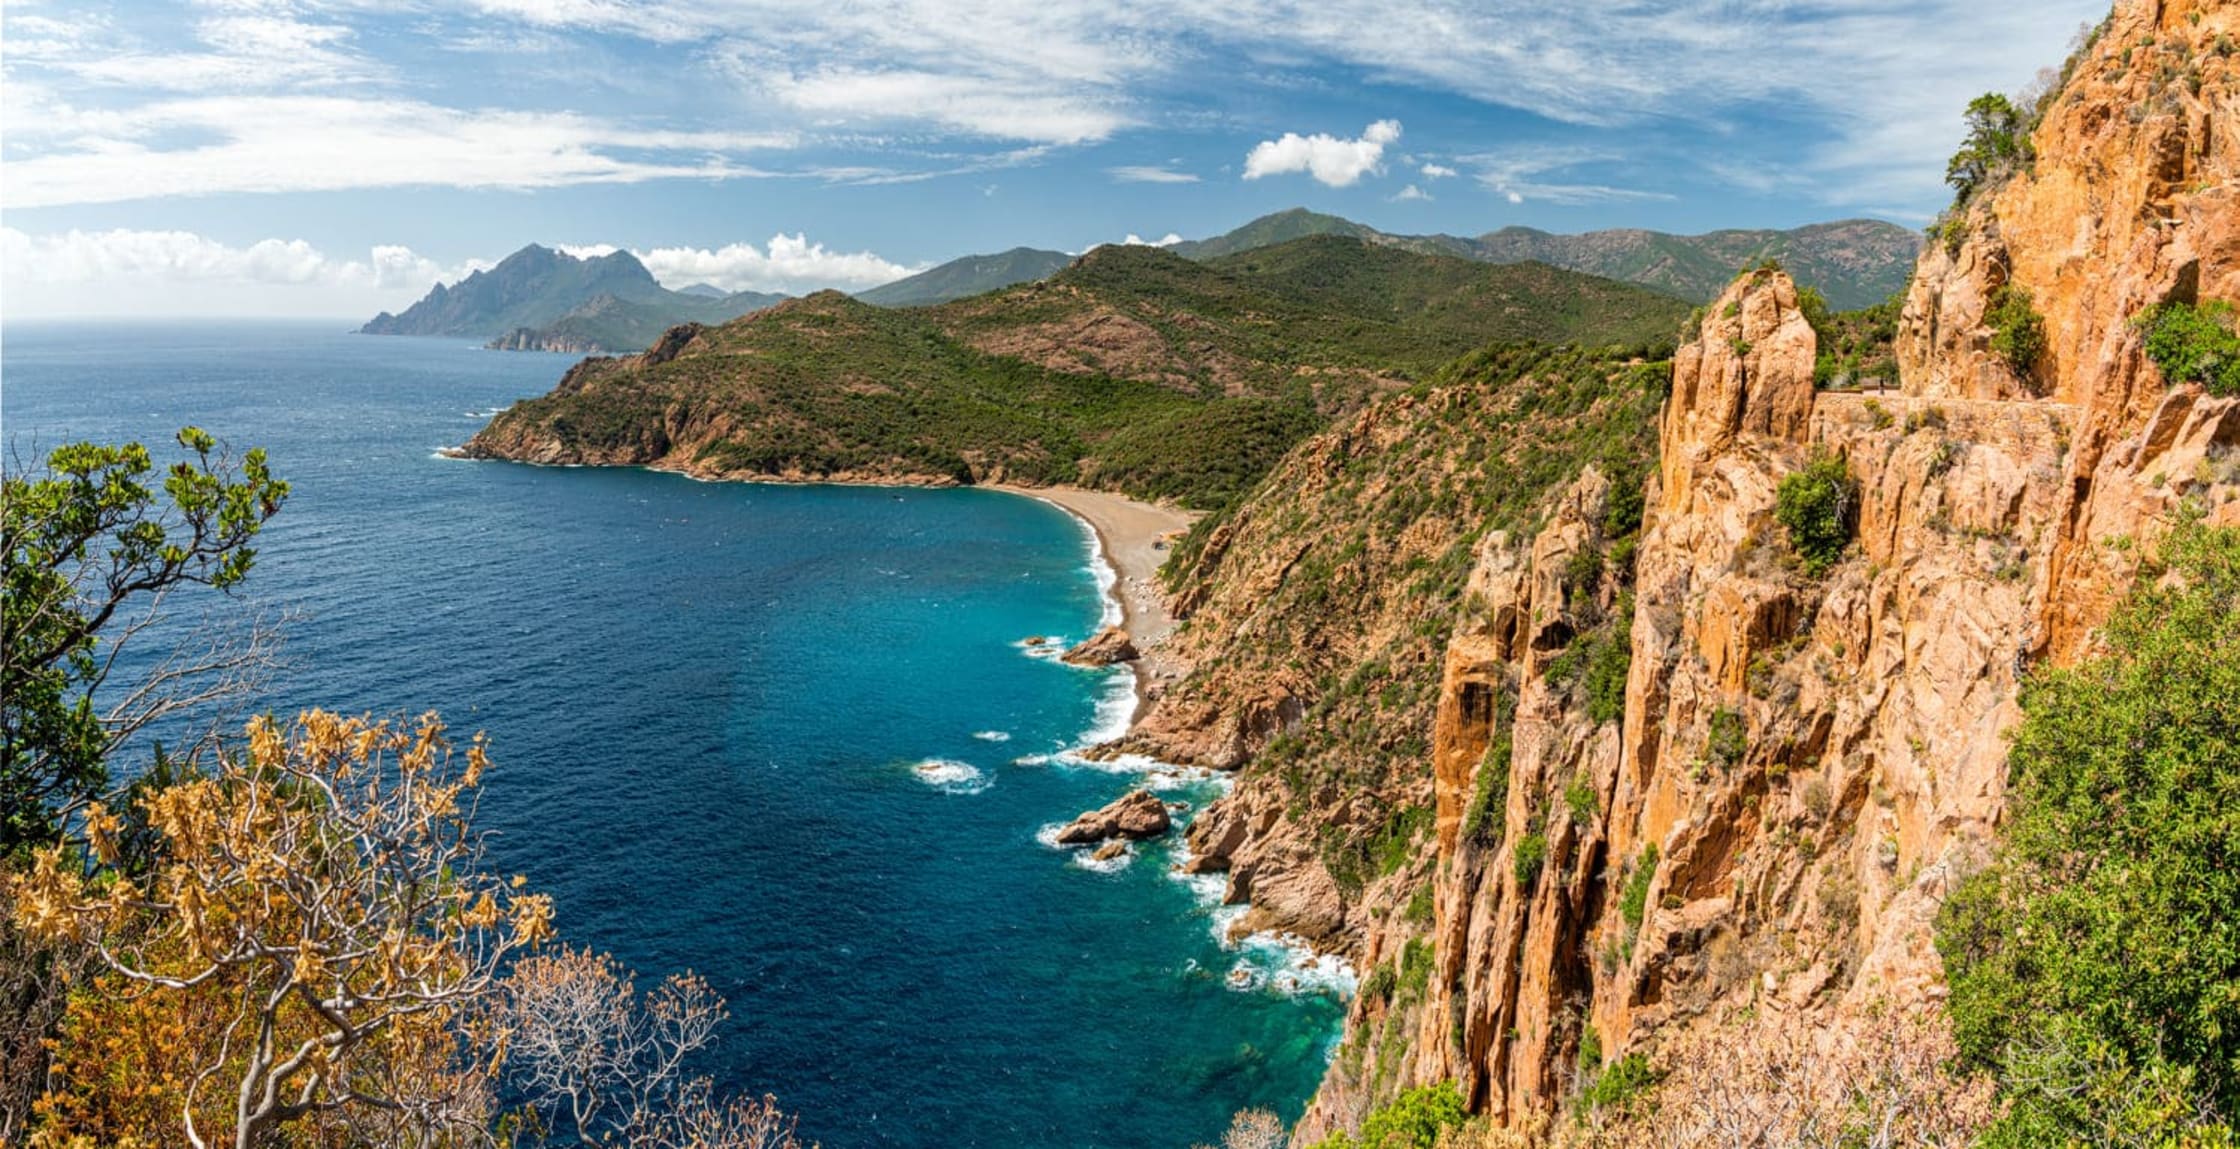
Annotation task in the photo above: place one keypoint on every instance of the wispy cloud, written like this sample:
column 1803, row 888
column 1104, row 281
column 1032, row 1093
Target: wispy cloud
column 324, row 143
column 1432, row 171
column 1521, row 175
column 1330, row 160
column 1410, row 192
column 1146, row 174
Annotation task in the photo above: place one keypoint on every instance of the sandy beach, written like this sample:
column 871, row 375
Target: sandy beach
column 1134, row 537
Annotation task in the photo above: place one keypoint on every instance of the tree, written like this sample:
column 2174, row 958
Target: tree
column 1994, row 144
column 306, row 951
column 602, row 1062
column 1817, row 505
column 2095, row 963
column 91, row 554
column 1253, row 1129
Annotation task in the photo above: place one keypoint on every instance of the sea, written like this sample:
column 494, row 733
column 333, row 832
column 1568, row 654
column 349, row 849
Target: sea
column 788, row 737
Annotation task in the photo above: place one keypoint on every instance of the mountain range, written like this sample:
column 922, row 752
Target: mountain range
column 1133, row 368
column 539, row 299
column 1855, row 263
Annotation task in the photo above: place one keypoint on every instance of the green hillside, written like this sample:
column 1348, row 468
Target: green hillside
column 1133, row 369
column 971, row 275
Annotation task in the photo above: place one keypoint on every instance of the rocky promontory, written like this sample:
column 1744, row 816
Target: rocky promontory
column 1135, row 816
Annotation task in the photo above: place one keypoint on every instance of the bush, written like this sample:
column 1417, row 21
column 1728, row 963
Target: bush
column 1816, row 506
column 2018, row 332
column 1620, row 1084
column 1413, row 1120
column 1633, row 902
column 1532, row 853
column 1580, row 798
column 2094, row 966
column 1728, row 740
column 2195, row 345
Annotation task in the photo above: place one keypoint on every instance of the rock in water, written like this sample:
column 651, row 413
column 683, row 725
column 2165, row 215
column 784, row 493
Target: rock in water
column 1110, row 850
column 1138, row 815
column 1110, row 645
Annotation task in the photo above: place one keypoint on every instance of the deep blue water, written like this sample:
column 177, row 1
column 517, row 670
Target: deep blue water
column 705, row 703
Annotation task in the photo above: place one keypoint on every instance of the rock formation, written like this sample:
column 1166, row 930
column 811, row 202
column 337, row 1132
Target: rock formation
column 1800, row 766
column 1137, row 815
column 1106, row 648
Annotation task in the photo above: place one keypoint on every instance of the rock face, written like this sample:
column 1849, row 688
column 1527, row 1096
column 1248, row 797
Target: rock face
column 1106, row 648
column 1138, row 815
column 1764, row 825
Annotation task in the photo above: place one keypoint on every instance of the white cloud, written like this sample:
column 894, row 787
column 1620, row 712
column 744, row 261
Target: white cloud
column 123, row 271
column 1520, row 174
column 1432, row 171
column 790, row 263
column 1330, row 160
column 180, row 272
column 1147, row 174
column 975, row 105
column 1168, row 240
column 1411, row 192
column 327, row 143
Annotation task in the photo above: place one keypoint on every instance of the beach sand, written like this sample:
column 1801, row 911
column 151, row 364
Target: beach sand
column 1135, row 539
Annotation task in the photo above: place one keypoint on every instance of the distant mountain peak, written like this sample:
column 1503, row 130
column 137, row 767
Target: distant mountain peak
column 544, row 296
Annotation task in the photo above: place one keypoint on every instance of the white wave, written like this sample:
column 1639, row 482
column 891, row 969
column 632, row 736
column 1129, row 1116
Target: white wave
column 1087, row 860
column 1048, row 836
column 992, row 735
column 950, row 775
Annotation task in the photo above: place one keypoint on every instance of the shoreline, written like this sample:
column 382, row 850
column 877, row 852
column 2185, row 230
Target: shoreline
column 1131, row 536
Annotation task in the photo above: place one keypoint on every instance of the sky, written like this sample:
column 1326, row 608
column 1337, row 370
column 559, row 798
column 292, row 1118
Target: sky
column 338, row 157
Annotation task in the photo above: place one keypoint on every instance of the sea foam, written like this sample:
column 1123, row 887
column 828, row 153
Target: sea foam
column 950, row 775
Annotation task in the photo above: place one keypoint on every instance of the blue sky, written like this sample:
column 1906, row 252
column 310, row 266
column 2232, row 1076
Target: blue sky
column 329, row 157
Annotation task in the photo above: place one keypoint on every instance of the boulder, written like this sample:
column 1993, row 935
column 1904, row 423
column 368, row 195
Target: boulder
column 1110, row 645
column 1110, row 850
column 1138, row 815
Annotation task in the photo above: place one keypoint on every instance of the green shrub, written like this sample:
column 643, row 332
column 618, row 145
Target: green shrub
column 1415, row 967
column 1633, row 902
column 1608, row 663
column 1420, row 904
column 1816, row 505
column 2018, row 332
column 1579, row 797
column 1729, row 739
column 1532, row 853
column 1378, row 986
column 1413, row 1120
column 2095, row 963
column 2195, row 345
column 1620, row 1085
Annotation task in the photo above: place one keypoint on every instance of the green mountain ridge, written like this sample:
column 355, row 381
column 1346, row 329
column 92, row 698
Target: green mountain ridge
column 1855, row 263
column 1133, row 369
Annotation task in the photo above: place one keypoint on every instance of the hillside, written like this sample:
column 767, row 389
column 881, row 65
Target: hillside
column 1133, row 369
column 1639, row 748
column 971, row 275
column 1855, row 263
column 541, row 299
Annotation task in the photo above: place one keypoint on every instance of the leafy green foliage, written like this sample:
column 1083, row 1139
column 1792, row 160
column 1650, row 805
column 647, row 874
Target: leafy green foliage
column 1580, row 798
column 2018, row 332
column 1995, row 144
column 1818, row 507
column 1621, row 1085
column 83, row 541
column 2195, row 344
column 1413, row 1120
column 2095, row 964
column 1633, row 901
column 1532, row 854
column 1486, row 821
column 1729, row 739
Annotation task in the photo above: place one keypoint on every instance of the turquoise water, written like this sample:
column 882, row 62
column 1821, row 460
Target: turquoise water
column 708, row 704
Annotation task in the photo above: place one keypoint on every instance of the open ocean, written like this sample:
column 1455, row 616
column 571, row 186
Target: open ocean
column 707, row 704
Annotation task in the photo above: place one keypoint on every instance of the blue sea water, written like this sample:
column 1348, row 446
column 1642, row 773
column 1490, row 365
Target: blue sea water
column 708, row 705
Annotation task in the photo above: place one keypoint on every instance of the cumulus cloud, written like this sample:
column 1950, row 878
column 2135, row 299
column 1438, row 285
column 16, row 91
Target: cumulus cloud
column 789, row 263
column 1432, row 171
column 1411, row 192
column 125, row 271
column 1330, row 160
column 1148, row 174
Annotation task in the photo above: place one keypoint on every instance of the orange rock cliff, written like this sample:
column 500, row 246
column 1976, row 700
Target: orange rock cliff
column 1802, row 765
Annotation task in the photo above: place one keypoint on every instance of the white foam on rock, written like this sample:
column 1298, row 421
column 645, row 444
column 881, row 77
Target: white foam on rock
column 992, row 735
column 951, row 776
